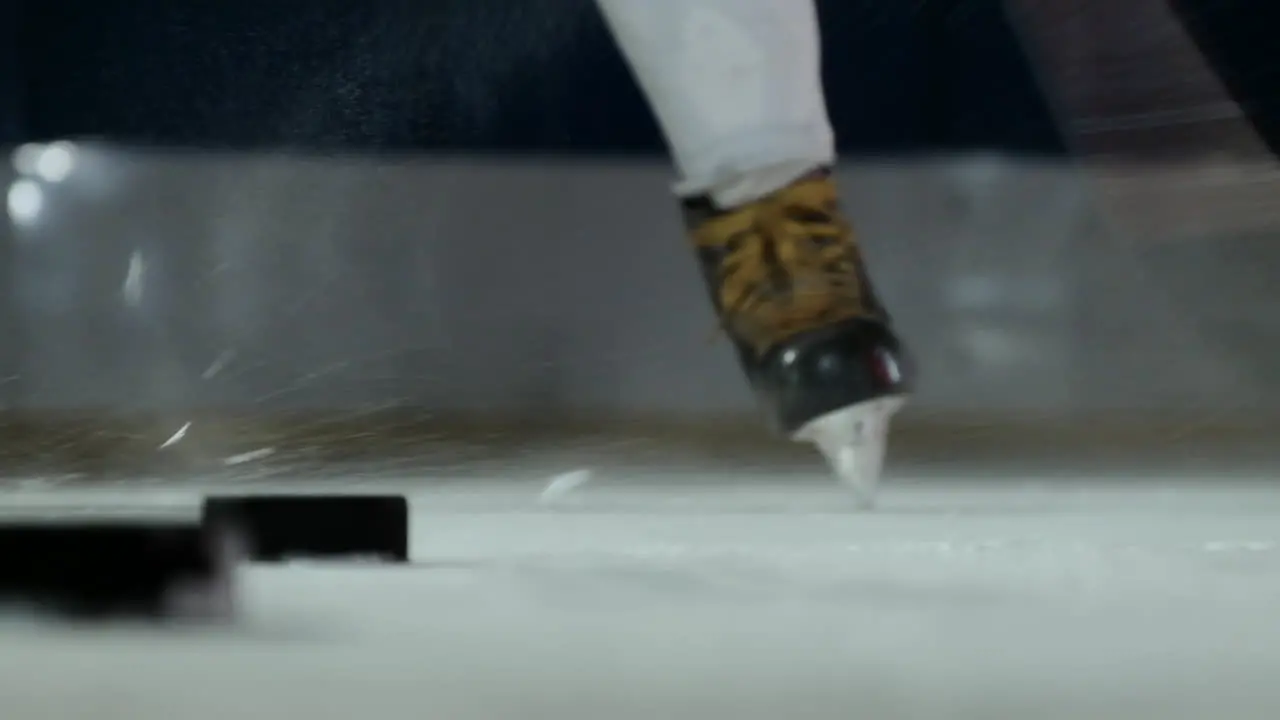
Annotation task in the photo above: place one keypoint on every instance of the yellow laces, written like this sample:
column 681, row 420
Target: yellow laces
column 787, row 263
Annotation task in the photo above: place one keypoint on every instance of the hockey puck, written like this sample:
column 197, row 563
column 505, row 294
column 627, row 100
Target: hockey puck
column 117, row 568
column 279, row 528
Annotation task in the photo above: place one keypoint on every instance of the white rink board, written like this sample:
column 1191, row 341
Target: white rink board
column 639, row 599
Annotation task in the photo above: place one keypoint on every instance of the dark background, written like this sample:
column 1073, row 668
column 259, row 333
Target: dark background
column 533, row 75
column 474, row 75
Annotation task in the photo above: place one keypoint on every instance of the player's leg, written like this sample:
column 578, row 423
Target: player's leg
column 736, row 87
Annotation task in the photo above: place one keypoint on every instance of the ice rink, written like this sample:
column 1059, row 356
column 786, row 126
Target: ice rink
column 667, row 597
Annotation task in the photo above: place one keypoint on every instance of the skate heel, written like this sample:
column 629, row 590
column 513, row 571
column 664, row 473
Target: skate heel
column 853, row 440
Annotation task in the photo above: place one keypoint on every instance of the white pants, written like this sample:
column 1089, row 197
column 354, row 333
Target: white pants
column 736, row 87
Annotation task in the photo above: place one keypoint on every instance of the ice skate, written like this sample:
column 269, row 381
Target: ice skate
column 790, row 288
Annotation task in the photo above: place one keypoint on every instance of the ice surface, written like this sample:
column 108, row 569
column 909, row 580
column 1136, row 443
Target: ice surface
column 634, row 597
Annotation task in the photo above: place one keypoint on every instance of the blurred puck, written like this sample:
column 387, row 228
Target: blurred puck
column 278, row 528
column 101, row 569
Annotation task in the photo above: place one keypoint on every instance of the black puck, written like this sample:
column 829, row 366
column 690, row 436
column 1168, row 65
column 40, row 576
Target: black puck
column 279, row 528
column 100, row 568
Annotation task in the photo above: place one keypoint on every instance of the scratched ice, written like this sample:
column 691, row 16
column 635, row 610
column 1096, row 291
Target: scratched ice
column 623, row 598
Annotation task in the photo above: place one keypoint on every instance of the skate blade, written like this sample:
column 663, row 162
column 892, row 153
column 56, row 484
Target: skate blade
column 853, row 441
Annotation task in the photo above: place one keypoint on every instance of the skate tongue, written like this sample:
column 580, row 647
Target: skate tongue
column 853, row 441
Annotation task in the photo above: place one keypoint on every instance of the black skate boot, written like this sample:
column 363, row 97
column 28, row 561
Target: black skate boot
column 791, row 290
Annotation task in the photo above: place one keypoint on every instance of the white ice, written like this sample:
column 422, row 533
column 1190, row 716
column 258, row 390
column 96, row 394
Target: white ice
column 634, row 597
